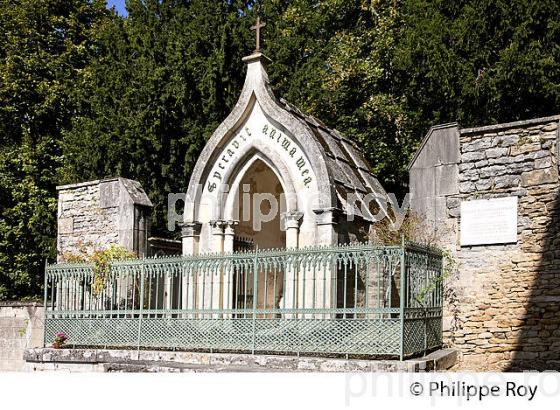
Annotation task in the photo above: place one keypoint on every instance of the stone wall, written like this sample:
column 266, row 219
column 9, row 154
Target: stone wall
column 93, row 215
column 503, row 304
column 21, row 327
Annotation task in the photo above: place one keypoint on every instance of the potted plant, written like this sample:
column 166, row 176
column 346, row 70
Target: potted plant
column 59, row 339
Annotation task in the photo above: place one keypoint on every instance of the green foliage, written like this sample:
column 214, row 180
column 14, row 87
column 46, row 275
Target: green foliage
column 85, row 94
column 449, row 267
column 334, row 60
column 412, row 229
column 167, row 76
column 44, row 45
column 478, row 62
column 101, row 260
column 28, row 214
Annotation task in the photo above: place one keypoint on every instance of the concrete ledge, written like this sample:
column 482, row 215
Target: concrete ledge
column 113, row 360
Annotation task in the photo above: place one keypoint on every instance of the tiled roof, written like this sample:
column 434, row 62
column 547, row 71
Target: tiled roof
column 346, row 164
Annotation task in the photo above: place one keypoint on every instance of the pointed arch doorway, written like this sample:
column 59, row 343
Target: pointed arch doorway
column 258, row 208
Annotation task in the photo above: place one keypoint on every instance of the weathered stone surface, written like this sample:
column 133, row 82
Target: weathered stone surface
column 93, row 215
column 539, row 177
column 66, row 225
column 507, row 181
column 508, row 140
column 472, row 156
column 496, row 152
column 107, row 360
column 503, row 306
column 477, row 145
column 21, row 328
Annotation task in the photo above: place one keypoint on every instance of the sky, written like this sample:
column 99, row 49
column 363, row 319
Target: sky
column 119, row 6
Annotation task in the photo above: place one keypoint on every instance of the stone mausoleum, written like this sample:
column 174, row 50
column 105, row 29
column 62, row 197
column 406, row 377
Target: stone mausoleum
column 317, row 178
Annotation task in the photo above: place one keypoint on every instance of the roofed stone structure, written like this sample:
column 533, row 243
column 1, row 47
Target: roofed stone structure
column 319, row 176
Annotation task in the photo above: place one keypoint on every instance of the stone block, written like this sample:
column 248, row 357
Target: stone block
column 477, row 145
column 525, row 148
column 507, row 181
column 472, row 156
column 496, row 152
column 466, row 187
column 539, row 177
column 501, row 160
column 108, row 194
column 508, row 140
column 542, row 163
column 65, row 225
column 483, row 184
column 447, row 180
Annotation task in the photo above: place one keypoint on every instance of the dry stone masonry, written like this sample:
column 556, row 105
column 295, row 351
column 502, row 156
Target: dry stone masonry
column 93, row 215
column 503, row 303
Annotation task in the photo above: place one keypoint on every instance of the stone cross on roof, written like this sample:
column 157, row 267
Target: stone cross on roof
column 257, row 27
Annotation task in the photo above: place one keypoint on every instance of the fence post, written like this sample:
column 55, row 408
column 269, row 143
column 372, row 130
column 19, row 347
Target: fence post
column 427, row 286
column 255, row 294
column 402, row 297
column 45, row 295
column 141, row 301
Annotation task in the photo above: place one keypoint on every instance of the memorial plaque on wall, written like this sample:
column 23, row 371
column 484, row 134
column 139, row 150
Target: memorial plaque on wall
column 489, row 221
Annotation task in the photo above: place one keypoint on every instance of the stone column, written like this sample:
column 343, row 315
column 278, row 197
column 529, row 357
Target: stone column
column 190, row 233
column 229, row 235
column 227, row 275
column 217, row 236
column 212, row 279
column 292, row 222
column 326, row 221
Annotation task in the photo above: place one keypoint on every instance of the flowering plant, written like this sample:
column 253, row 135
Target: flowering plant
column 59, row 339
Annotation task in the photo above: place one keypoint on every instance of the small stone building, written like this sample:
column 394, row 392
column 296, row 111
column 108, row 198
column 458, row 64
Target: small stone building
column 95, row 214
column 491, row 194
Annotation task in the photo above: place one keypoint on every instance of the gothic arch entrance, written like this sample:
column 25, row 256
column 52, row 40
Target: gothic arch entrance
column 258, row 206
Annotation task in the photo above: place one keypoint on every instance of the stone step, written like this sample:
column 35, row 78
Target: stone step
column 120, row 360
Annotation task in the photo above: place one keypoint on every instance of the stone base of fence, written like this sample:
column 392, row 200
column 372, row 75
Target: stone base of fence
column 113, row 360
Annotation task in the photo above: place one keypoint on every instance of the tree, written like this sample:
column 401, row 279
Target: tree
column 334, row 60
column 478, row 62
column 43, row 47
column 168, row 75
column 85, row 94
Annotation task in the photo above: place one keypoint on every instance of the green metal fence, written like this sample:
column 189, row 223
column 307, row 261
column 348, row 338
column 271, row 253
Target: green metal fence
column 355, row 299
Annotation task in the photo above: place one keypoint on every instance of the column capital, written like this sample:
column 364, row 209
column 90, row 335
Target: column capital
column 326, row 216
column 190, row 229
column 292, row 219
column 217, row 227
column 230, row 227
